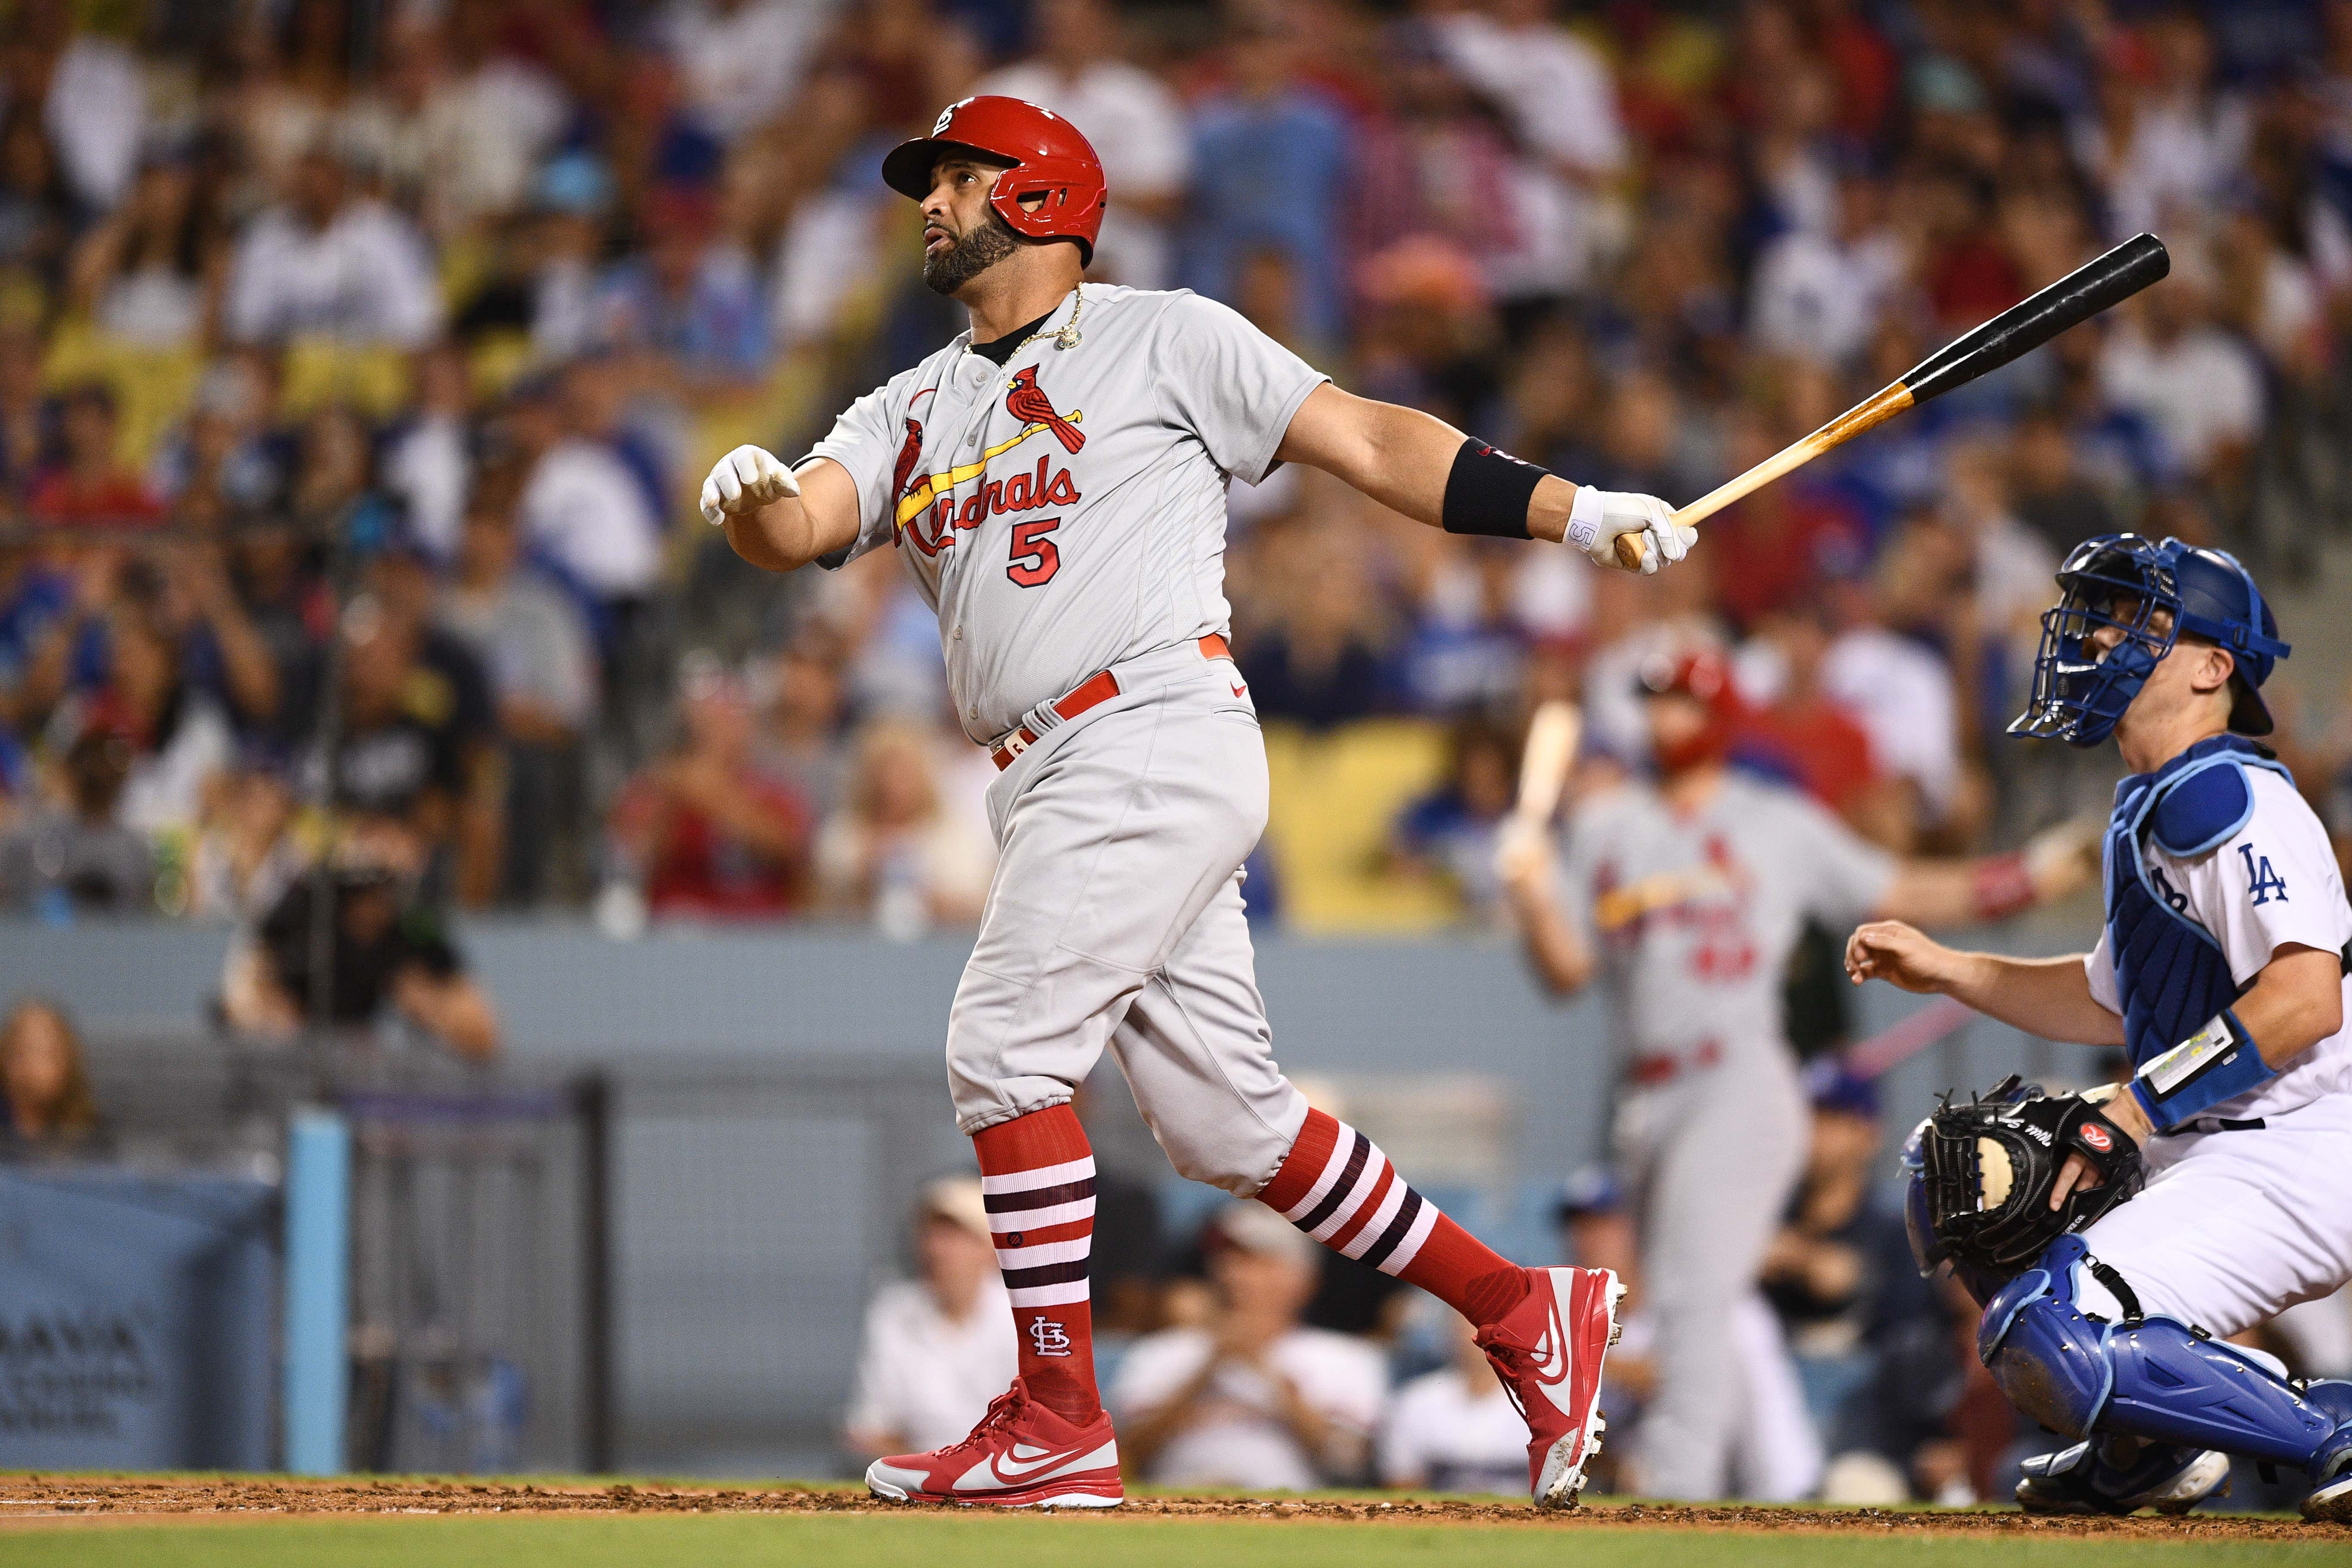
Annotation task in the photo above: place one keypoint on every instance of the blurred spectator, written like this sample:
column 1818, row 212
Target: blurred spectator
column 407, row 736
column 151, row 274
column 92, row 94
column 1250, row 1398
column 704, row 831
column 939, row 1347
column 1454, row 1429
column 37, row 212
column 390, row 950
column 690, row 302
column 2053, row 495
column 893, row 853
column 327, row 265
column 1904, row 697
column 44, row 1087
column 800, row 739
column 88, row 484
column 77, row 855
column 1824, row 1270
column 584, row 509
column 1135, row 123
column 427, row 461
column 1562, row 107
column 1793, row 730
column 1451, row 831
column 225, row 460
column 534, row 647
column 1272, row 156
column 739, row 61
column 244, row 856
column 2200, row 387
column 1819, row 293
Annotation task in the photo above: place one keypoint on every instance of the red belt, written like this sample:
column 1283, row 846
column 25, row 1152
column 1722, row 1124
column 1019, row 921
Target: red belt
column 1092, row 692
column 1649, row 1072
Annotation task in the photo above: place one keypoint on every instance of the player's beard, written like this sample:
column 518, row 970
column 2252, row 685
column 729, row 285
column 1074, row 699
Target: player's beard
column 948, row 271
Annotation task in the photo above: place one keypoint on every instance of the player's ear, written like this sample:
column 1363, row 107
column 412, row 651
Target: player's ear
column 2214, row 666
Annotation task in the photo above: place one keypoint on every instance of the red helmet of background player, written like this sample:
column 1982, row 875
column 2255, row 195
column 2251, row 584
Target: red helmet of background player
column 1703, row 674
column 1049, row 159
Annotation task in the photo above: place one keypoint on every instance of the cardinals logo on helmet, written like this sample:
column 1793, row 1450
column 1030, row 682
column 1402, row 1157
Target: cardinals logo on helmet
column 1027, row 401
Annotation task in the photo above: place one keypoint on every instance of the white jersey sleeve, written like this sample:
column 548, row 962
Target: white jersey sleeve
column 2273, row 882
column 864, row 440
column 1843, row 876
column 2099, row 969
column 1228, row 383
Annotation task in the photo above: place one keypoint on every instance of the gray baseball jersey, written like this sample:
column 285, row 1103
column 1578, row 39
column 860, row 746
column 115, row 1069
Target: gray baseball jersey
column 1693, row 919
column 1067, row 511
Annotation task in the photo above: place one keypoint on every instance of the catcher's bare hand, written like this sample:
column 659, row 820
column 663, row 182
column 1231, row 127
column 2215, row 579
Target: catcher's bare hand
column 1900, row 955
column 2078, row 1175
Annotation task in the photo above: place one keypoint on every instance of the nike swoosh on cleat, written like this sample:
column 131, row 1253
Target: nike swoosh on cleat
column 1012, row 1469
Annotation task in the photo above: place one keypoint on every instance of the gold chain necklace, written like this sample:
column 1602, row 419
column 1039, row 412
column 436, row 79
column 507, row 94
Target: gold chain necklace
column 1068, row 337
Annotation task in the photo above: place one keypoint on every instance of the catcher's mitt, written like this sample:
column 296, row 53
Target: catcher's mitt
column 1981, row 1175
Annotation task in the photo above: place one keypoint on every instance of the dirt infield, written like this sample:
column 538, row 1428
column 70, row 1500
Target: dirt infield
column 49, row 1497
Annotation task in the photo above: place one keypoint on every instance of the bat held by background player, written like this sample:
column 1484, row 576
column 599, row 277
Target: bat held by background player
column 1553, row 735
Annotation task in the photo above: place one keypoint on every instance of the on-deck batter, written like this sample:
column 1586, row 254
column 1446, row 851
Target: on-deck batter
column 1686, row 898
column 2222, row 972
column 1055, row 480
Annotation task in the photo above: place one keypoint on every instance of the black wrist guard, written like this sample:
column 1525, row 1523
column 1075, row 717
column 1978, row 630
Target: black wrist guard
column 1487, row 492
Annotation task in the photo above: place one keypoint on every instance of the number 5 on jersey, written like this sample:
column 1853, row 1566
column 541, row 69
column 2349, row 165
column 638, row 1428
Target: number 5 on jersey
column 1035, row 559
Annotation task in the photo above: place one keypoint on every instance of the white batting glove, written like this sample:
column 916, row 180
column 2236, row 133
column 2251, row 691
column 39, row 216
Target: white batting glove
column 1597, row 518
column 744, row 480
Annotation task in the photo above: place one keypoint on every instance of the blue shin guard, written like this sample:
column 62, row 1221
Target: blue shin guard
column 2048, row 1342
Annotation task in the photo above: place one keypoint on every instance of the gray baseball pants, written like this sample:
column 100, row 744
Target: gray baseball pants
column 1115, row 919
column 1711, row 1159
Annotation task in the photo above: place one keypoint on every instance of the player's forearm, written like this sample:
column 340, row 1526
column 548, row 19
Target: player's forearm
column 779, row 537
column 2295, row 1003
column 1401, row 458
column 1555, row 950
column 2046, row 996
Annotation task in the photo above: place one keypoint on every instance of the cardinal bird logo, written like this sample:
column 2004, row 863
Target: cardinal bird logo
column 1026, row 402
column 909, row 452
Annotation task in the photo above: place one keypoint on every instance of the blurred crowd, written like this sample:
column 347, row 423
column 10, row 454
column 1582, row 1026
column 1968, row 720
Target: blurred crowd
column 358, row 362
column 1237, row 1352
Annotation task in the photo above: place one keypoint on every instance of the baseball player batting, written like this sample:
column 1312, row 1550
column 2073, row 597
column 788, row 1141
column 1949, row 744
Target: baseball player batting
column 1684, row 897
column 2221, row 972
column 1054, row 478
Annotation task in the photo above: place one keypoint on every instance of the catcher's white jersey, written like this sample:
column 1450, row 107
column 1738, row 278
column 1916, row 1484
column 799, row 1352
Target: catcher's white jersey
column 2273, row 882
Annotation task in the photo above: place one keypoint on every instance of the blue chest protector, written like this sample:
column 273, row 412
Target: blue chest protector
column 2170, row 972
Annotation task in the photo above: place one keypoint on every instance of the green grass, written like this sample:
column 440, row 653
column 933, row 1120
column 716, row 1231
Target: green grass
column 992, row 1541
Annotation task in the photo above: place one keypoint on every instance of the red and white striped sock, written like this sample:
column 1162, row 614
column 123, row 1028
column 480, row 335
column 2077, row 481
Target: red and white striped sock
column 1037, row 1176
column 1337, row 1186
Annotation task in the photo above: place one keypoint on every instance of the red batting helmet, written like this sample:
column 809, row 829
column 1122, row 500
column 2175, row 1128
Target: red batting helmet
column 1701, row 673
column 1049, row 159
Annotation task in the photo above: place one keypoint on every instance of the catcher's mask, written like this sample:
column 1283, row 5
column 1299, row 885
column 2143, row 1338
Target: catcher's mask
column 2123, row 580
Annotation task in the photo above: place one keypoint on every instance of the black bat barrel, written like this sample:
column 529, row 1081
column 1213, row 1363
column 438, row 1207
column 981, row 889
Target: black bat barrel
column 2082, row 293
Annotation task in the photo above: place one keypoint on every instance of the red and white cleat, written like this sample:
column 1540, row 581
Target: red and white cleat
column 1022, row 1455
column 1547, row 1350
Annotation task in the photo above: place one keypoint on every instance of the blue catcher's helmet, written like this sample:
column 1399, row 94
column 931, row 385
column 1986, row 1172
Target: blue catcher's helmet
column 2123, row 580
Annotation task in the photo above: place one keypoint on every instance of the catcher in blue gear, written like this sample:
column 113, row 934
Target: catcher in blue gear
column 2116, row 1237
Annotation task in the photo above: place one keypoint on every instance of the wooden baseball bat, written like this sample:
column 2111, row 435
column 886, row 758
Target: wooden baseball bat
column 1552, row 735
column 2082, row 293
